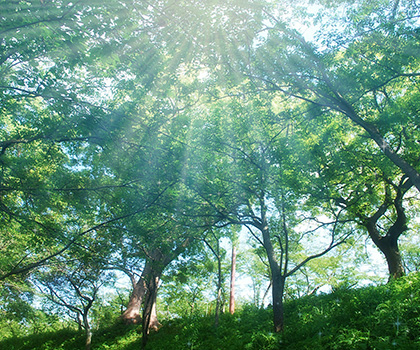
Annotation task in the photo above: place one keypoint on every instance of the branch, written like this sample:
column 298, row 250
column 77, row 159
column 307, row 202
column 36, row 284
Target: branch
column 309, row 258
column 41, row 262
column 44, row 20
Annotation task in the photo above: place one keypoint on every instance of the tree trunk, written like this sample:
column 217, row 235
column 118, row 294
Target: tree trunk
column 388, row 244
column 389, row 248
column 393, row 257
column 266, row 293
column 156, row 263
column 149, row 308
column 278, row 280
column 132, row 313
column 88, row 331
column 154, row 322
column 277, row 293
column 79, row 319
column 232, row 282
column 219, row 285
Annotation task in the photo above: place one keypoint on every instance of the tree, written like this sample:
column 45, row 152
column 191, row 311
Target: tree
column 218, row 253
column 74, row 288
column 268, row 194
column 361, row 180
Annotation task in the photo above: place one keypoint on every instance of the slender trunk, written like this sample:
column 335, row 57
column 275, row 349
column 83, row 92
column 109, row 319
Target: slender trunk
column 278, row 282
column 266, row 293
column 232, row 282
column 278, row 308
column 216, row 252
column 149, row 308
column 219, row 285
column 79, row 319
column 88, row 338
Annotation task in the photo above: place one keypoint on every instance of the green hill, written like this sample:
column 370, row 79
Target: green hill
column 383, row 317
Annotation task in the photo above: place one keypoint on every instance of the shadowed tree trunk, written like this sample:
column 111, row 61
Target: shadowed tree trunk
column 156, row 262
column 150, row 320
column 278, row 281
column 232, row 281
column 388, row 243
column 217, row 254
column 279, row 267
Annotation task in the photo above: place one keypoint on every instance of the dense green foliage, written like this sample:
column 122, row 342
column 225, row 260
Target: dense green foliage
column 141, row 141
column 382, row 317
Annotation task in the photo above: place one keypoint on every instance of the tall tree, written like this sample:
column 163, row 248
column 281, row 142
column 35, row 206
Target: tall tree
column 360, row 179
column 260, row 179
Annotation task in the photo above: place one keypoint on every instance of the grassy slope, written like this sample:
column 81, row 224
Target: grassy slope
column 385, row 317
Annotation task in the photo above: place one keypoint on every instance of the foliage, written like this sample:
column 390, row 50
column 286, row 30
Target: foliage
column 132, row 131
column 378, row 317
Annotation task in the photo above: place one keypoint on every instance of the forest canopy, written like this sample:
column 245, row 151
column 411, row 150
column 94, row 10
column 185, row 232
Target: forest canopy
column 153, row 153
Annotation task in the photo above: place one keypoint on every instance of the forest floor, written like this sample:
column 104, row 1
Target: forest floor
column 382, row 317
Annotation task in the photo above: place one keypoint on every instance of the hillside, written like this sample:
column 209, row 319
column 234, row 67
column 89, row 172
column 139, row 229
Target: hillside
column 383, row 317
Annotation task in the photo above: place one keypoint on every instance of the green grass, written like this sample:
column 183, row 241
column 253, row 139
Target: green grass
column 384, row 317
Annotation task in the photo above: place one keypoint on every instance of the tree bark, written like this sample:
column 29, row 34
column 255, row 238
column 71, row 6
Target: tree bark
column 132, row 313
column 149, row 308
column 88, row 331
column 389, row 248
column 156, row 262
column 394, row 261
column 219, row 286
column 232, row 282
column 277, row 294
column 278, row 280
column 388, row 244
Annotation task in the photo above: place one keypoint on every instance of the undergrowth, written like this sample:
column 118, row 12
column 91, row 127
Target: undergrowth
column 383, row 317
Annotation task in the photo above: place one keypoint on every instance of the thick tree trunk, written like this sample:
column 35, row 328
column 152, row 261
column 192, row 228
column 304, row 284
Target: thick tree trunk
column 388, row 244
column 88, row 332
column 393, row 257
column 132, row 313
column 232, row 282
column 154, row 322
column 156, row 263
column 389, row 248
column 394, row 261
